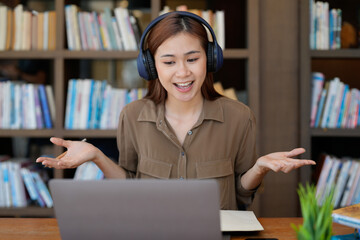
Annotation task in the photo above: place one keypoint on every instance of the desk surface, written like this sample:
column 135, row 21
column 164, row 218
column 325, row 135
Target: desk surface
column 47, row 228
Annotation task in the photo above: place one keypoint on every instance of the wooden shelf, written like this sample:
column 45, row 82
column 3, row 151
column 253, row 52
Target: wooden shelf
column 319, row 132
column 100, row 54
column 90, row 133
column 339, row 53
column 27, row 133
column 236, row 53
column 27, row 212
column 67, row 54
column 30, row 54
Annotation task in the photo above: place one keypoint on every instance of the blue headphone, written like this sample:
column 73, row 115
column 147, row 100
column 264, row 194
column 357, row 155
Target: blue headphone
column 145, row 60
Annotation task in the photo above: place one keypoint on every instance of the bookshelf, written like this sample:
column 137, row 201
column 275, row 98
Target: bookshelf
column 242, row 55
column 342, row 63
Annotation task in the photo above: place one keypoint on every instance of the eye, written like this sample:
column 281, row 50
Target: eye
column 169, row 62
column 192, row 60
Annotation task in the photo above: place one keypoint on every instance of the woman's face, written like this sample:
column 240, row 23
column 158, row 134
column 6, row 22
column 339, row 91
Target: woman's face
column 181, row 66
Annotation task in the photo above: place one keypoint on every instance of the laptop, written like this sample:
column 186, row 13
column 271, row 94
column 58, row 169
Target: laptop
column 137, row 209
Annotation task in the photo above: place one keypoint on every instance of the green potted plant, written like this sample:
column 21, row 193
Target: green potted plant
column 317, row 220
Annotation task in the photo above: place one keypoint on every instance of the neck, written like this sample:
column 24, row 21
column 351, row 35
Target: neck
column 183, row 109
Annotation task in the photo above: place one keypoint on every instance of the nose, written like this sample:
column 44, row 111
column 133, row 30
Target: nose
column 182, row 70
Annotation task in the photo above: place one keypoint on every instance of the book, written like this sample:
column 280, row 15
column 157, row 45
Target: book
column 341, row 182
column 51, row 101
column 46, row 31
column 350, row 183
column 3, row 26
column 29, row 183
column 34, row 27
column 69, row 28
column 83, row 36
column 18, row 12
column 126, row 32
column 52, row 30
column 26, row 31
column 6, row 181
column 318, row 80
column 348, row 216
column 107, row 18
column 40, row 31
column 45, row 106
column 2, row 187
column 43, row 190
column 88, row 171
column 329, row 101
column 233, row 221
column 38, row 110
column 9, row 29
column 325, row 172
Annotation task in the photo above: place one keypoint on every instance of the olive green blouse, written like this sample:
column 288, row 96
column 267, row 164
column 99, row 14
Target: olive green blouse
column 221, row 146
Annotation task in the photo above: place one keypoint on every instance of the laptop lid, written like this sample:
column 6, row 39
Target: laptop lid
column 137, row 209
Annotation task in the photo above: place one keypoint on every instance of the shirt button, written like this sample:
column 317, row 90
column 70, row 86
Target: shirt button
column 189, row 132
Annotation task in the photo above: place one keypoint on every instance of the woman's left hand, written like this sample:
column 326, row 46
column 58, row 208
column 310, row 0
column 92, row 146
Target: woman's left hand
column 281, row 161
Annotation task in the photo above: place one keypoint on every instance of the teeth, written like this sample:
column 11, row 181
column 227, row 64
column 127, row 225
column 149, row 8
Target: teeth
column 183, row 84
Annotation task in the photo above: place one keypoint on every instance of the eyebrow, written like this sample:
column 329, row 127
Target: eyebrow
column 188, row 53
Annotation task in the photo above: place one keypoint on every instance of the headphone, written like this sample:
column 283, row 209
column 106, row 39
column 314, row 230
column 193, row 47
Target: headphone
column 145, row 60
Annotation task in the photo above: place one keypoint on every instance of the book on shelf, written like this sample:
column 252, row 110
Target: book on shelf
column 341, row 175
column 334, row 104
column 3, row 27
column 94, row 104
column 325, row 26
column 21, row 184
column 25, row 105
column 25, row 29
column 348, row 216
column 318, row 80
column 115, row 29
column 88, row 171
column 216, row 20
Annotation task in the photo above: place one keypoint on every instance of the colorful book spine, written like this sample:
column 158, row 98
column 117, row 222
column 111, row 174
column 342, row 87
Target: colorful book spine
column 45, row 106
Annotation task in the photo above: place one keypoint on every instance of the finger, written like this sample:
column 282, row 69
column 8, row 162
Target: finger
column 301, row 162
column 60, row 142
column 41, row 159
column 294, row 164
column 295, row 152
column 50, row 162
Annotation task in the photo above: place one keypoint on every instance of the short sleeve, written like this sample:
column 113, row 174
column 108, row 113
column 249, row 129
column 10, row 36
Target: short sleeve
column 128, row 157
column 246, row 158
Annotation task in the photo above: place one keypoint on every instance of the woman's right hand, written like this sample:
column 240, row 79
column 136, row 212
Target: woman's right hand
column 77, row 153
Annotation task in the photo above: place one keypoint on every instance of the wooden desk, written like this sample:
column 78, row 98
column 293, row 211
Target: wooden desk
column 47, row 228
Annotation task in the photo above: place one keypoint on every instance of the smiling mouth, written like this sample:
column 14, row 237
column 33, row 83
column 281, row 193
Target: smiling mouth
column 184, row 85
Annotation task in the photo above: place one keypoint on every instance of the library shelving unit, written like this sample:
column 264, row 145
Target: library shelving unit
column 342, row 63
column 243, row 55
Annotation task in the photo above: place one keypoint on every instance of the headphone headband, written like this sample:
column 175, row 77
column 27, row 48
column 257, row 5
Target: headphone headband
column 181, row 13
column 145, row 61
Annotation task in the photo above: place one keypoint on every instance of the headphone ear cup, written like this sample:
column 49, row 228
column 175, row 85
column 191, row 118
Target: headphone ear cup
column 214, row 57
column 141, row 66
column 150, row 65
column 219, row 59
column 210, row 58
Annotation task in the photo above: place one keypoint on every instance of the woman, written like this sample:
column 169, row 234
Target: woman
column 183, row 128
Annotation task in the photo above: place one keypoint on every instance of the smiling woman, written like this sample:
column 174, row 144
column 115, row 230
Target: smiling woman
column 183, row 128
